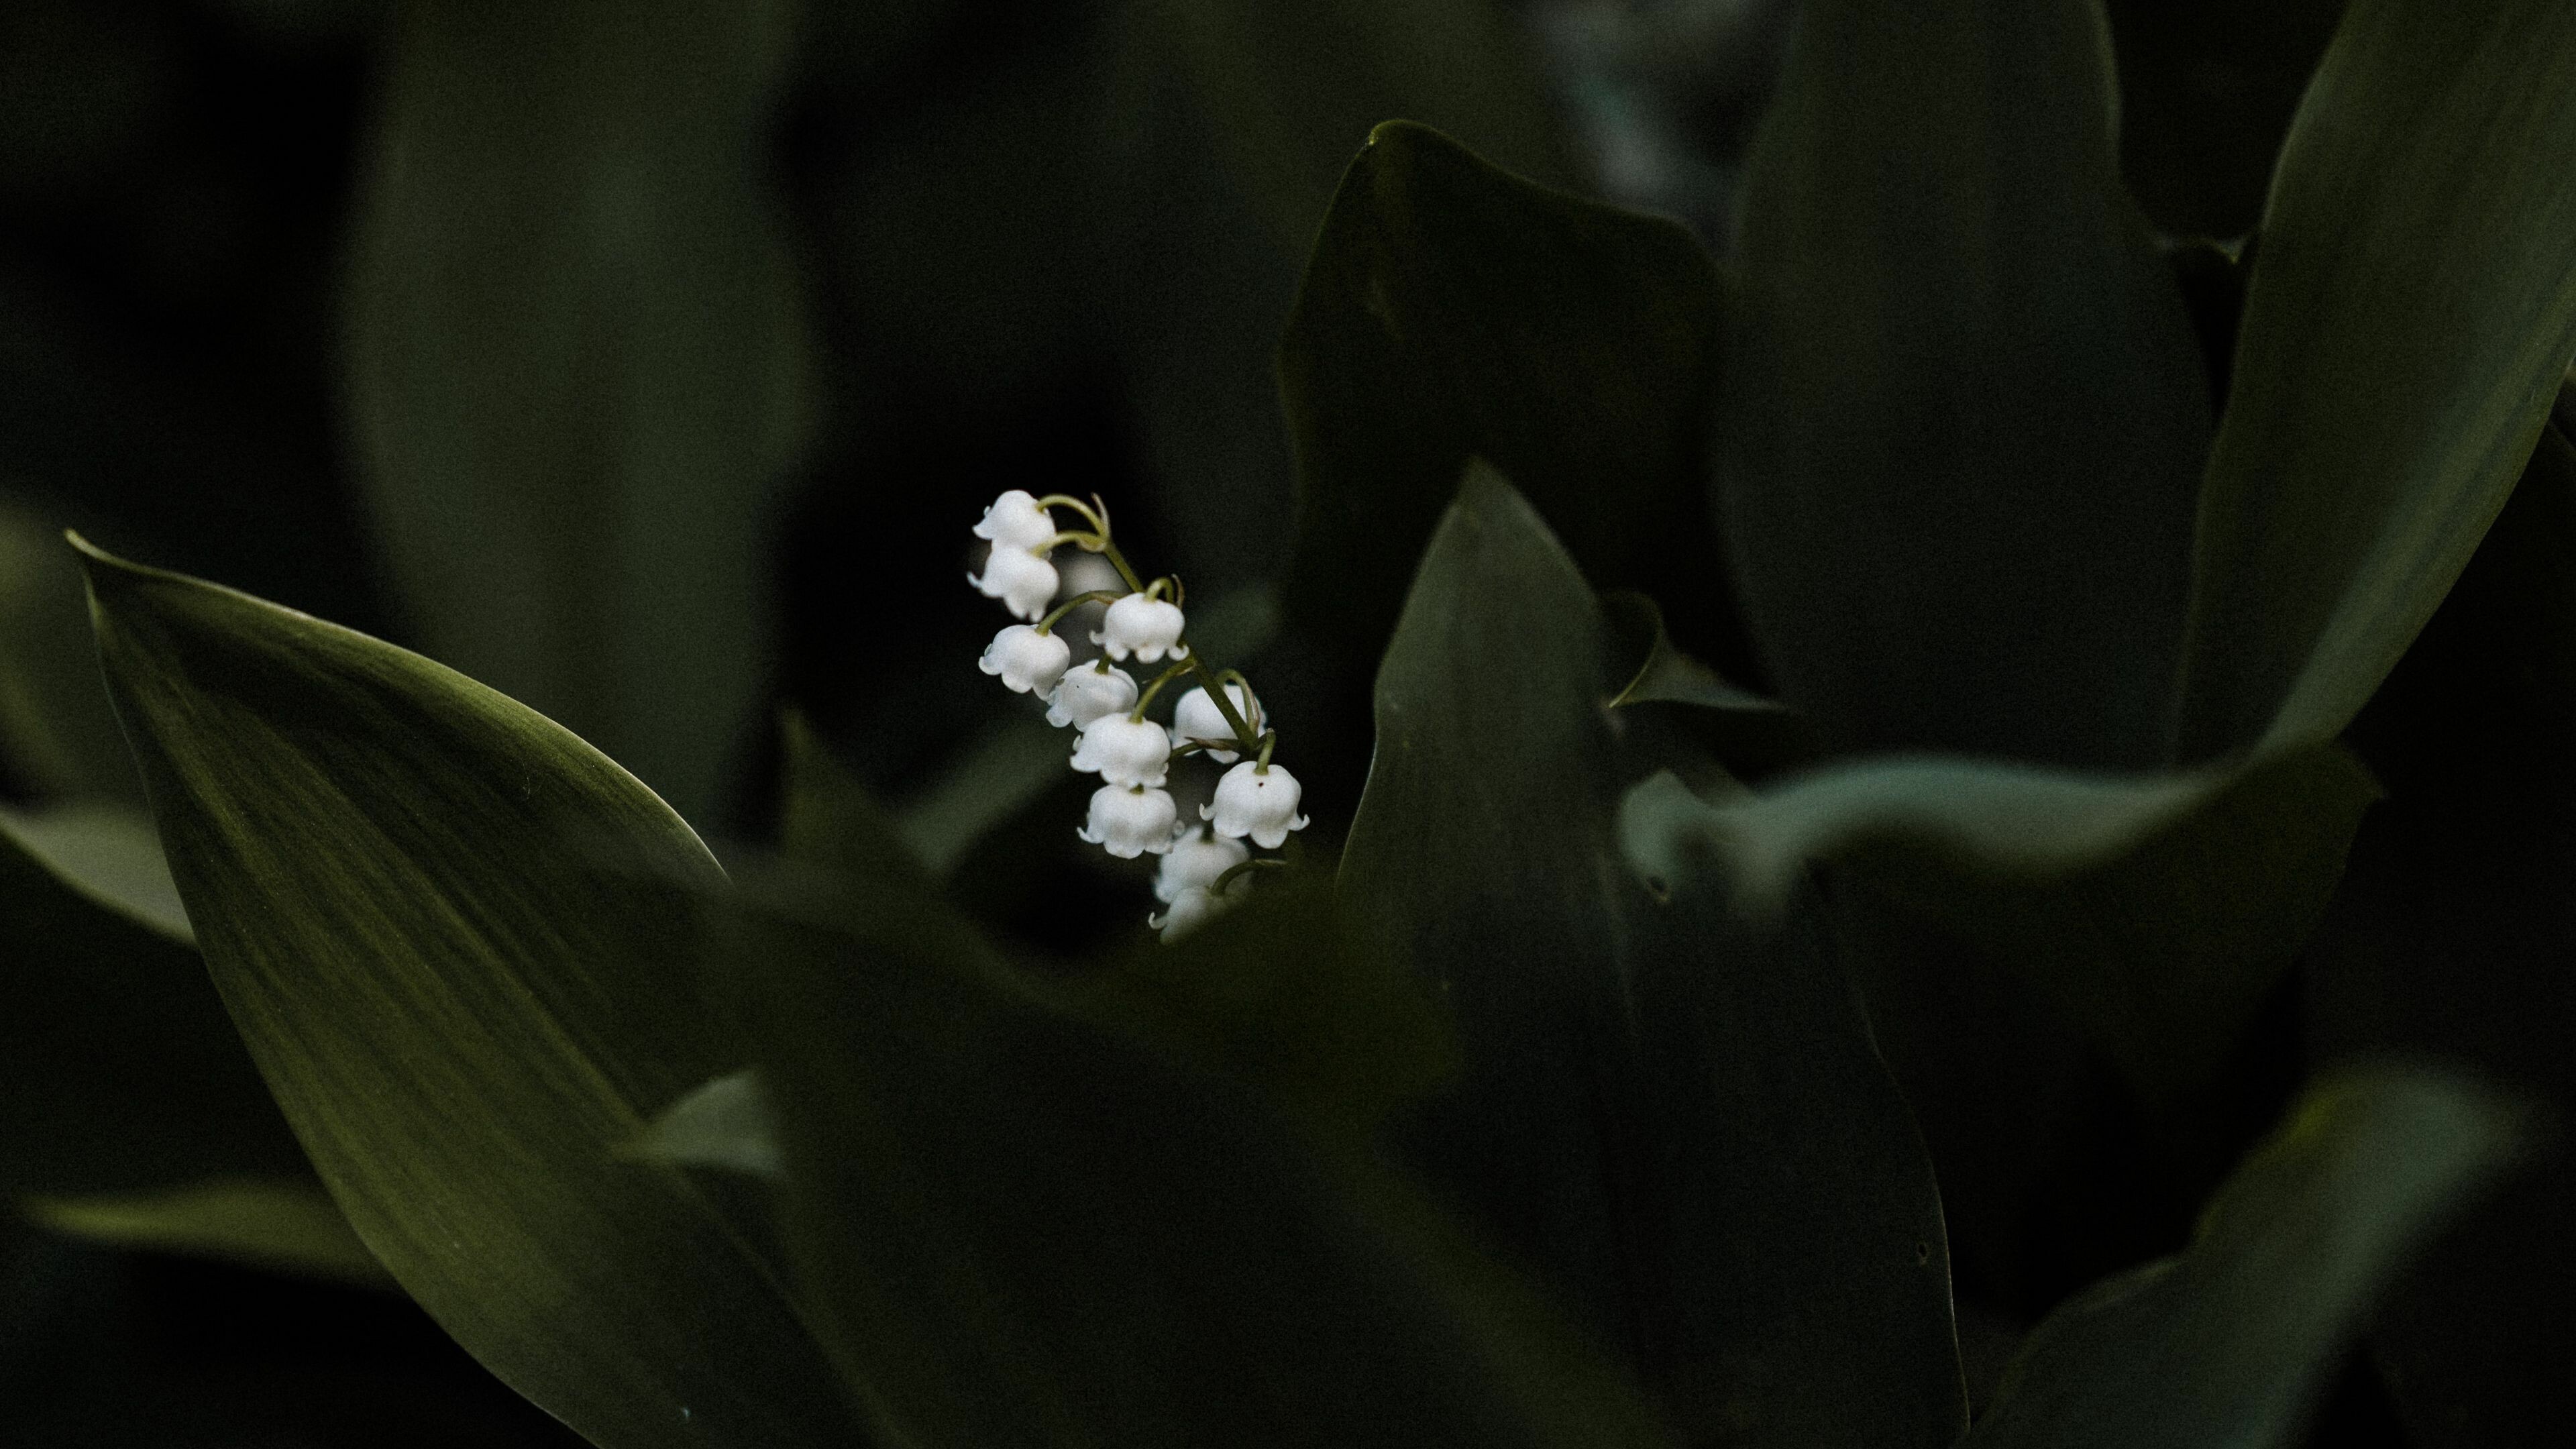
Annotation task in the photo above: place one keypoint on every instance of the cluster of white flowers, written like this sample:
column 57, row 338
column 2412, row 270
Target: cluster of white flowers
column 1204, row 866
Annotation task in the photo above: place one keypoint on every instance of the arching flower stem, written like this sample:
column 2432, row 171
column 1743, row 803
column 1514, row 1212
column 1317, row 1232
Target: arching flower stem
column 1096, row 596
column 1167, row 676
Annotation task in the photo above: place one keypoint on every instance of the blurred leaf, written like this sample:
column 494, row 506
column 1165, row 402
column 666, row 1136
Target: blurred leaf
column 2223, row 1345
column 829, row 820
column 1289, row 996
column 286, row 1224
column 108, row 853
column 576, row 361
column 725, row 1123
column 58, row 735
column 2451, row 941
column 428, row 909
column 1290, row 86
column 1963, row 412
column 1681, row 1120
column 2410, row 313
column 1453, row 309
column 1028, row 1229
column 2156, row 910
column 119, row 1071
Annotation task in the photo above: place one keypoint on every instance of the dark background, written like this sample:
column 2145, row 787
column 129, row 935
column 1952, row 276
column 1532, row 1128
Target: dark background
column 647, row 361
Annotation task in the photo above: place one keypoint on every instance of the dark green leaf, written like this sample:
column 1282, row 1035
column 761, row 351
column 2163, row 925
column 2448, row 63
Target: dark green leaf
column 1027, row 1229
column 428, row 910
column 1746, row 730
column 1285, row 994
column 576, row 360
column 1963, row 413
column 2410, row 313
column 2222, row 1346
column 1682, row 1121
column 829, row 820
column 2157, row 910
column 2451, row 941
column 1453, row 309
column 58, row 736
column 282, row 1224
column 1289, row 89
column 725, row 1124
column 119, row 1071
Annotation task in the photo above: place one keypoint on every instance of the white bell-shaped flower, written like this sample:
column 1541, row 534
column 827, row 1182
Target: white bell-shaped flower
column 1192, row 909
column 1088, row 694
column 1256, row 801
column 1196, row 717
column 1123, row 751
column 1146, row 628
column 1023, row 581
column 1014, row 520
column 1194, row 862
column 1130, row 820
column 1028, row 661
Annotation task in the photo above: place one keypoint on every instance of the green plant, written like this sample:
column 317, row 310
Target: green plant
column 1577, row 1103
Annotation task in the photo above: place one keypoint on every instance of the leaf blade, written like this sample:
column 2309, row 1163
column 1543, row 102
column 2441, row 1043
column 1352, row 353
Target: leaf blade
column 2369, row 441
column 1649, row 1088
column 431, row 913
column 1963, row 413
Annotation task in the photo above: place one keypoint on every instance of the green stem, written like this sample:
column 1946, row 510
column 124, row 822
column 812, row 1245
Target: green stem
column 1096, row 596
column 1172, row 672
column 1099, row 523
column 1214, row 684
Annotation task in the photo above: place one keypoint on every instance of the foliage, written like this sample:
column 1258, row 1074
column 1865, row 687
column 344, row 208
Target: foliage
column 1645, row 1067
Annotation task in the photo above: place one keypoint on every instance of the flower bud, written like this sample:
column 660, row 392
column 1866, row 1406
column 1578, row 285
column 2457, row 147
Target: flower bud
column 1194, row 862
column 1014, row 520
column 1020, row 579
column 1196, row 717
column 1028, row 661
column 1146, row 628
column 1087, row 694
column 1257, row 801
column 1124, row 751
column 1129, row 821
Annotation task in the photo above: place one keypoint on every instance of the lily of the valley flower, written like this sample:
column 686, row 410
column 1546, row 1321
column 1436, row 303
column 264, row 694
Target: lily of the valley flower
column 1124, row 751
column 1015, row 520
column 1089, row 694
column 1192, row 909
column 1028, row 661
column 1194, row 862
column 1130, row 820
column 1131, row 814
column 1256, row 800
column 1196, row 717
column 1148, row 628
column 1020, row 579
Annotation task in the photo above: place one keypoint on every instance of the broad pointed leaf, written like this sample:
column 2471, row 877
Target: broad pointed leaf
column 1963, row 412
column 2157, row 910
column 1682, row 1122
column 576, row 360
column 1027, row 1228
column 2411, row 310
column 2222, row 1346
column 1450, row 309
column 429, row 912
